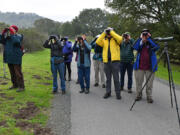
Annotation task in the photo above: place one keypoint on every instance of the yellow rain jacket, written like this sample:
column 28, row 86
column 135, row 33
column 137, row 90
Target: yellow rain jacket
column 114, row 44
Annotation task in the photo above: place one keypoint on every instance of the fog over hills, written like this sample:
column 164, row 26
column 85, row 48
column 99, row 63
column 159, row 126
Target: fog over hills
column 24, row 20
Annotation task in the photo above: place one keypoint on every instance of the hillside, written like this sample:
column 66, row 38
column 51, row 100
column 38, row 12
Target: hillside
column 21, row 19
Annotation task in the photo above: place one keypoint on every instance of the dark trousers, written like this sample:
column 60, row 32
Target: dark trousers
column 84, row 76
column 112, row 69
column 129, row 68
column 68, row 66
column 17, row 78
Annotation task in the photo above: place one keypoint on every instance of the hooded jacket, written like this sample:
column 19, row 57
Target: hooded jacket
column 114, row 44
column 67, row 51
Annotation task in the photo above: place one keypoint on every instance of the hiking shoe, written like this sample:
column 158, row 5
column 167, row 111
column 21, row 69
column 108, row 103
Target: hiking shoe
column 81, row 91
column 20, row 90
column 130, row 90
column 96, row 85
column 12, row 87
column 103, row 86
column 138, row 98
column 63, row 92
column 77, row 82
column 87, row 91
column 118, row 96
column 150, row 100
column 107, row 95
column 54, row 92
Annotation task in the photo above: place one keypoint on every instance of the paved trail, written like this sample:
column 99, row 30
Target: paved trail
column 93, row 115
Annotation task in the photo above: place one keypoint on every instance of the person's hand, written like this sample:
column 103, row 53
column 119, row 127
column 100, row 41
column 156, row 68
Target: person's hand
column 84, row 37
column 128, row 37
column 110, row 29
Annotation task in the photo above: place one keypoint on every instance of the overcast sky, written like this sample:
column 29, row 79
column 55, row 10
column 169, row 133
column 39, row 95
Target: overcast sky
column 59, row 10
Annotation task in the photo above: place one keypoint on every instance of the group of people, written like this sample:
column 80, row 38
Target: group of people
column 113, row 56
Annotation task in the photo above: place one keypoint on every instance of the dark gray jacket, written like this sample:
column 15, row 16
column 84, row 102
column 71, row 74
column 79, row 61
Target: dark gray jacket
column 56, row 48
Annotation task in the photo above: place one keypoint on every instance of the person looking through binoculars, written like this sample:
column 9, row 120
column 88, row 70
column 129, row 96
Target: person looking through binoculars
column 83, row 49
column 145, row 63
column 127, row 59
column 57, row 61
column 12, row 54
column 110, row 42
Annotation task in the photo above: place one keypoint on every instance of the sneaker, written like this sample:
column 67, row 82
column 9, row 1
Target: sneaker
column 96, row 85
column 103, row 86
column 122, row 88
column 138, row 98
column 150, row 100
column 130, row 90
column 20, row 90
column 81, row 91
column 107, row 95
column 87, row 91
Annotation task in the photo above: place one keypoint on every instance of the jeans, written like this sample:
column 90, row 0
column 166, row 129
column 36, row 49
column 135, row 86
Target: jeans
column 60, row 69
column 84, row 76
column 129, row 67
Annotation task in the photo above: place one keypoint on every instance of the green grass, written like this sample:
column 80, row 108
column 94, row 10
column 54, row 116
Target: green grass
column 33, row 64
column 163, row 73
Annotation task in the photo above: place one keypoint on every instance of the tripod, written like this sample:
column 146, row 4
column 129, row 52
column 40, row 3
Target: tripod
column 171, row 82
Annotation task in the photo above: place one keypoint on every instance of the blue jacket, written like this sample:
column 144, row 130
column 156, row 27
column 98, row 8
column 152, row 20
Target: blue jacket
column 97, row 51
column 12, row 49
column 68, row 52
column 154, row 47
column 87, row 52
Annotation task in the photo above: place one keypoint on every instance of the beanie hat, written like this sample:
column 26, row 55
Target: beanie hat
column 15, row 27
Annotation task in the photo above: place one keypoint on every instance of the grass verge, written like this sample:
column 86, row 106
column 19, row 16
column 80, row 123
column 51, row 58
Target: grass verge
column 163, row 72
column 27, row 112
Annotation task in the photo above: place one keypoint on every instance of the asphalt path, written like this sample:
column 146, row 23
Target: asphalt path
column 81, row 114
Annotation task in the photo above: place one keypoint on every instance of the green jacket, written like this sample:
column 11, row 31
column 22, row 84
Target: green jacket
column 126, row 50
